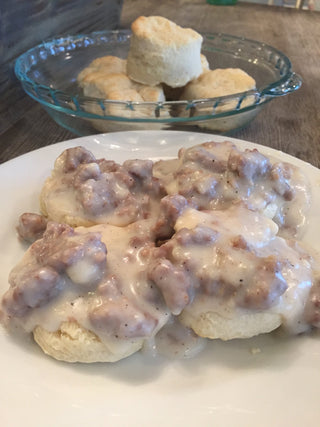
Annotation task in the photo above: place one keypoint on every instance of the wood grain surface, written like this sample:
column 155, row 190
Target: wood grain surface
column 290, row 123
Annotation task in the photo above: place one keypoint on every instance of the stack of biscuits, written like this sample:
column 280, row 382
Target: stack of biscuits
column 164, row 64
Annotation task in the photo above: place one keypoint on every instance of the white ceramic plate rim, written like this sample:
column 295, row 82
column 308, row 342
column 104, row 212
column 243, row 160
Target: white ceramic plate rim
column 263, row 381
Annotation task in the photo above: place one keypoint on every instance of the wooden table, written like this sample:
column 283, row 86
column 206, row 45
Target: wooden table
column 290, row 123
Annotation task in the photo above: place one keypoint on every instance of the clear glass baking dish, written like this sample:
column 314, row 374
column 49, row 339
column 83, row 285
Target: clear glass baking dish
column 48, row 73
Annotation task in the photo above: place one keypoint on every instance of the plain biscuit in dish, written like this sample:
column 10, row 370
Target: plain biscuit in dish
column 174, row 93
column 163, row 52
column 105, row 65
column 105, row 78
column 204, row 63
column 219, row 82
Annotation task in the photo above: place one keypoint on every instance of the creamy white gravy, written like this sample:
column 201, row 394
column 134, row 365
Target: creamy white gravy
column 87, row 293
column 221, row 262
column 213, row 176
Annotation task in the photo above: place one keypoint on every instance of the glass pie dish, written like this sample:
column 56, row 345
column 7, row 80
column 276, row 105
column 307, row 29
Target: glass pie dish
column 48, row 73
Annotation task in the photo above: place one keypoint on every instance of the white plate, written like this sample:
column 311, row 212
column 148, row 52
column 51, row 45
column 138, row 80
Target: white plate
column 229, row 384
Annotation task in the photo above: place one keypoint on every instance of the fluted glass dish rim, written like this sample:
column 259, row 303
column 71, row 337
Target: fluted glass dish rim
column 76, row 104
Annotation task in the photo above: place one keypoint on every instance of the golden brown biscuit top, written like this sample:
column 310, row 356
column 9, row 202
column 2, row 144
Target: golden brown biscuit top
column 219, row 82
column 161, row 30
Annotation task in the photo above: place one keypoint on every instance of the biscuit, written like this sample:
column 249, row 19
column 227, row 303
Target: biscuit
column 215, row 84
column 214, row 176
column 105, row 78
column 83, row 191
column 163, row 52
column 210, row 324
column 75, row 296
column 227, row 274
column 174, row 93
column 218, row 82
column 105, row 65
column 72, row 343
